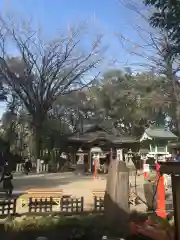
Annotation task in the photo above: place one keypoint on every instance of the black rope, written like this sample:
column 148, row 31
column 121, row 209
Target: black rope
column 155, row 192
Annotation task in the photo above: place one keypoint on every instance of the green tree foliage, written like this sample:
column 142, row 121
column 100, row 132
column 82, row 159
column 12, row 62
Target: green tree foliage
column 166, row 16
column 9, row 128
column 131, row 101
column 54, row 134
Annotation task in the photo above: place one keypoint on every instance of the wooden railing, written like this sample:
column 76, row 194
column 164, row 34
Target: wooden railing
column 45, row 202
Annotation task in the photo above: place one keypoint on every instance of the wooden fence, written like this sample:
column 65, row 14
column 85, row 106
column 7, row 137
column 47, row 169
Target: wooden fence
column 72, row 205
column 98, row 203
column 66, row 205
column 7, row 207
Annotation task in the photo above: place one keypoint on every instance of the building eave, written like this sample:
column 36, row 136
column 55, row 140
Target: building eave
column 145, row 136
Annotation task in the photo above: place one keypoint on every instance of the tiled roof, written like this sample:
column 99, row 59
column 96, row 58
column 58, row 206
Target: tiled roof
column 160, row 132
column 125, row 139
column 102, row 131
column 106, row 125
column 102, row 135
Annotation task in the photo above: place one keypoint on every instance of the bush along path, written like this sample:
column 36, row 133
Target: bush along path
column 55, row 228
column 84, row 228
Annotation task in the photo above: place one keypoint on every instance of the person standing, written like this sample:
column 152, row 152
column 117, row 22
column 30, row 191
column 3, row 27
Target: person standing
column 6, row 178
column 27, row 166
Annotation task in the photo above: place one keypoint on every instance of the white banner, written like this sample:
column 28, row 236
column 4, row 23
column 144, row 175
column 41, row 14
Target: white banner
column 146, row 168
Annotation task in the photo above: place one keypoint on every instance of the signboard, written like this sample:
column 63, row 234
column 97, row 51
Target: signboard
column 161, row 158
column 146, row 168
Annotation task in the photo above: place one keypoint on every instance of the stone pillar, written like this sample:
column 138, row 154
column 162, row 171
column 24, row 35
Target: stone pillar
column 38, row 165
column 19, row 167
column 47, row 167
column 80, row 168
column 89, row 161
column 120, row 154
column 117, row 196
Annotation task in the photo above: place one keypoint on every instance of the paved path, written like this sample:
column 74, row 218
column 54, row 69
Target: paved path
column 43, row 180
column 70, row 184
column 55, row 180
column 67, row 181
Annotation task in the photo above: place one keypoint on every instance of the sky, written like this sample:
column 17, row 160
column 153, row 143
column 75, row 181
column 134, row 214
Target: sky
column 107, row 17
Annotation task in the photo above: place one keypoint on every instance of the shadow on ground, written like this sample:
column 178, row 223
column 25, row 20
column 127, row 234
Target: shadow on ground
column 46, row 182
column 116, row 218
column 33, row 185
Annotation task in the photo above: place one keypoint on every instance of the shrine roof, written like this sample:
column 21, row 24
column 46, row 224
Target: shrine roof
column 106, row 125
column 105, row 130
column 101, row 134
column 158, row 132
column 125, row 139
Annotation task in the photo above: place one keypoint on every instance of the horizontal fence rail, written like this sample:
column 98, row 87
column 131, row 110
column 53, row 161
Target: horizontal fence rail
column 64, row 204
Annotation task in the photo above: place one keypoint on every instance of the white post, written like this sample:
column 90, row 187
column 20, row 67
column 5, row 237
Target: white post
column 21, row 167
column 17, row 167
column 47, row 167
column 41, row 167
column 120, row 154
column 38, row 166
column 90, row 161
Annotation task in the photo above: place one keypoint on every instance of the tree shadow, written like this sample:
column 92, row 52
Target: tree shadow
column 26, row 183
column 116, row 218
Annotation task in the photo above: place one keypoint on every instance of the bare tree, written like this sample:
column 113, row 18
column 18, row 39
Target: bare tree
column 156, row 55
column 42, row 71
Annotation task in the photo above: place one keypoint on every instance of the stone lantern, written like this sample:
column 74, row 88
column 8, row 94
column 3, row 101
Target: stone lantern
column 96, row 153
column 80, row 166
column 129, row 162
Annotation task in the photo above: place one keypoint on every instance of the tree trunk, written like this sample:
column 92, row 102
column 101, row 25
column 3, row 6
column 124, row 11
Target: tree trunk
column 174, row 93
column 37, row 141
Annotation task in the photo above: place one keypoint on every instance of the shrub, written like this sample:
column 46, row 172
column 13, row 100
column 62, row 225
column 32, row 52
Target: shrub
column 32, row 223
column 57, row 227
column 48, row 222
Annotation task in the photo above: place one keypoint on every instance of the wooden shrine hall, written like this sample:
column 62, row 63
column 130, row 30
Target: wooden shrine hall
column 102, row 140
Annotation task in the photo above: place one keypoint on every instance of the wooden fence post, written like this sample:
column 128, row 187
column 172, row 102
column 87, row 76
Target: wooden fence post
column 117, row 196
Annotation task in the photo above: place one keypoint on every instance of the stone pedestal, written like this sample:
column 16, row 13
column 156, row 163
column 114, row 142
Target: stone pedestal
column 80, row 169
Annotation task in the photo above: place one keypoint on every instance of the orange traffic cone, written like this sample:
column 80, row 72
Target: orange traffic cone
column 161, row 204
